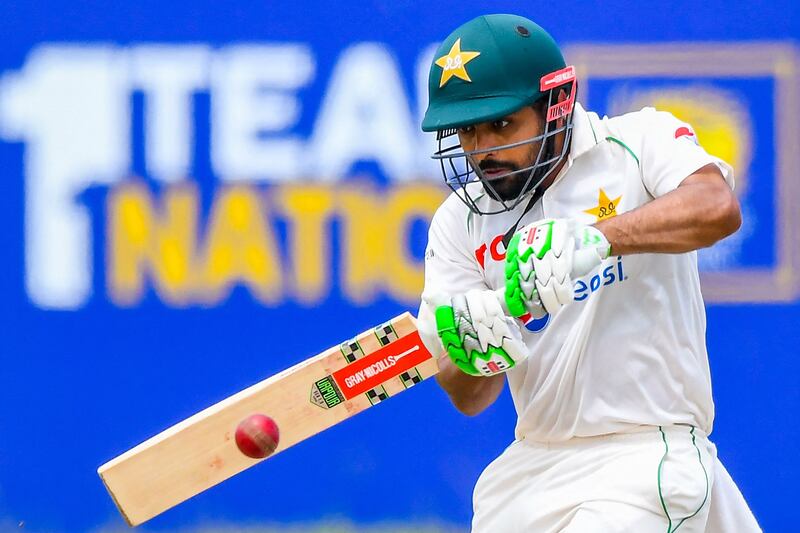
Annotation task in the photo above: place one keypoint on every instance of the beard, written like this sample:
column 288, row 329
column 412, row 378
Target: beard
column 508, row 187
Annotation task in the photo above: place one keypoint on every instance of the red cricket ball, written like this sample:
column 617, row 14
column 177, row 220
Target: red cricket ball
column 257, row 436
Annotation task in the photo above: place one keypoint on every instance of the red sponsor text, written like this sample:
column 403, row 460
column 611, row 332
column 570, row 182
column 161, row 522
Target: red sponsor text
column 382, row 365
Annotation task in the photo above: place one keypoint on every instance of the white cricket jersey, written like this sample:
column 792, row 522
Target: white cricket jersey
column 630, row 350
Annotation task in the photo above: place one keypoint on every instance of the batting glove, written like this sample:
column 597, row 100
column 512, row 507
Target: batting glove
column 542, row 260
column 479, row 337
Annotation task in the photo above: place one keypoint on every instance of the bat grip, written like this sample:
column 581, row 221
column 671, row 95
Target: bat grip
column 501, row 298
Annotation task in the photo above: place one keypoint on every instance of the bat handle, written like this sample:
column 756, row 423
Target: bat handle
column 501, row 298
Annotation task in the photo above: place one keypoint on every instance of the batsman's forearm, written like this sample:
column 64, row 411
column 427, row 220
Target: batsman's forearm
column 701, row 211
column 470, row 394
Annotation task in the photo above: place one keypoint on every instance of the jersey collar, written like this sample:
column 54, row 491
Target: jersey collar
column 584, row 137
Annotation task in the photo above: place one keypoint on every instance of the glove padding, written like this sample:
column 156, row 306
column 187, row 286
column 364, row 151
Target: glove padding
column 542, row 260
column 479, row 338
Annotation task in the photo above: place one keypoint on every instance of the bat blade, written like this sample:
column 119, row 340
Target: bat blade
column 313, row 395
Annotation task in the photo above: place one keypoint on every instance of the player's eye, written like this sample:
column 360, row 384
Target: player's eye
column 500, row 124
column 465, row 130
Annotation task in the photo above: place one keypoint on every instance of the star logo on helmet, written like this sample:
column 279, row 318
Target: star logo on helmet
column 454, row 63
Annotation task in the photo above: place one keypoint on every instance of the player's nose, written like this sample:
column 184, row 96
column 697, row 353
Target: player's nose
column 484, row 140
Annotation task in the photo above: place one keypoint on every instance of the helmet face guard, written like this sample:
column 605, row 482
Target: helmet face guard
column 470, row 184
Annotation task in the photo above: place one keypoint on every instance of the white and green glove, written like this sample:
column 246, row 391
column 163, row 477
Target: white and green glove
column 477, row 334
column 542, row 260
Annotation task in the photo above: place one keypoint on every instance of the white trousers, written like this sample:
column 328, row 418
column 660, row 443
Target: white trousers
column 651, row 480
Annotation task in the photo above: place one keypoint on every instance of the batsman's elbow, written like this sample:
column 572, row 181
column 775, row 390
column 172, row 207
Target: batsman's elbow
column 470, row 395
column 468, row 406
column 715, row 212
column 715, row 209
column 726, row 215
column 471, row 409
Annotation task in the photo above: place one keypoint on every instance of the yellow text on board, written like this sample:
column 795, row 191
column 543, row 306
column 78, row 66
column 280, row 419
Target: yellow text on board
column 276, row 242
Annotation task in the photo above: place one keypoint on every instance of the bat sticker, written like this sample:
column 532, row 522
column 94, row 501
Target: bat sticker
column 325, row 393
column 380, row 366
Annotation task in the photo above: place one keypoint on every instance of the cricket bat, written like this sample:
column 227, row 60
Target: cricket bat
column 313, row 395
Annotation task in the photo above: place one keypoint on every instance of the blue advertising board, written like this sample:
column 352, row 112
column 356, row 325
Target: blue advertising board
column 197, row 196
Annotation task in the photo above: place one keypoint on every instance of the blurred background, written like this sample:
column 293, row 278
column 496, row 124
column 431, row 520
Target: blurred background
column 196, row 195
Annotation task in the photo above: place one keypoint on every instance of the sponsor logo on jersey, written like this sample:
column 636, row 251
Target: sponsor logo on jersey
column 582, row 289
column 610, row 274
column 496, row 250
column 535, row 325
column 685, row 131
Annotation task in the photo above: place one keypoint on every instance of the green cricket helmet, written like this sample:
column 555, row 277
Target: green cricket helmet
column 489, row 68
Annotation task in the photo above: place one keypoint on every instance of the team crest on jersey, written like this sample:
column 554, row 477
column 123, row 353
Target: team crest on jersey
column 605, row 208
column 454, row 64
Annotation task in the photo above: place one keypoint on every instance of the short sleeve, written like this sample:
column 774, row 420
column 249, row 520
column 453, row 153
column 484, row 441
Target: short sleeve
column 670, row 152
column 450, row 267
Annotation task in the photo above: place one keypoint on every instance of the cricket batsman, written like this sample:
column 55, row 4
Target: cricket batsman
column 564, row 262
